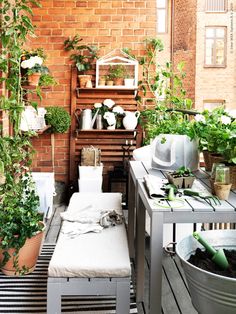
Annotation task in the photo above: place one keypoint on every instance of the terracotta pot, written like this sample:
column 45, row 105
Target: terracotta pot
column 119, row 81
column 222, row 190
column 33, row 79
column 232, row 173
column 83, row 80
column 215, row 158
column 28, row 255
column 206, row 158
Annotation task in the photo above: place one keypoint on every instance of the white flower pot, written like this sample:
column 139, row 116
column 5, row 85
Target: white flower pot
column 129, row 82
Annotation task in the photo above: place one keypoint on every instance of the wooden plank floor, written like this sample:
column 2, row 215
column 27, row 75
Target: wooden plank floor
column 175, row 295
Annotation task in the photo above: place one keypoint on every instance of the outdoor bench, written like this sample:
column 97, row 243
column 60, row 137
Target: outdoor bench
column 91, row 263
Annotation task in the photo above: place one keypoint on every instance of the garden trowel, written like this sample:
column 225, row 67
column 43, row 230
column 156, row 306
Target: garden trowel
column 218, row 257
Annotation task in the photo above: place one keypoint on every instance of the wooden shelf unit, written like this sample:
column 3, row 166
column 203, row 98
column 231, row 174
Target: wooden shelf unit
column 109, row 141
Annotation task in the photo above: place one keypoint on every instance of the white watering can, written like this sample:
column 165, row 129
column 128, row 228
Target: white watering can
column 130, row 120
column 87, row 119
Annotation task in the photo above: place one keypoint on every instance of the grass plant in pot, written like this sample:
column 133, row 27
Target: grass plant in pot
column 117, row 73
column 212, row 289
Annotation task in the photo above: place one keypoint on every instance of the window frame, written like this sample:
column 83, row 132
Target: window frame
column 166, row 10
column 210, row 11
column 220, row 102
column 214, row 65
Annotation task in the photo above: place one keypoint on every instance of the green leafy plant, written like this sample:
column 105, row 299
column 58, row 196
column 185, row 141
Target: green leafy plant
column 19, row 218
column 216, row 131
column 58, row 118
column 182, row 172
column 116, row 71
column 161, row 120
column 84, row 55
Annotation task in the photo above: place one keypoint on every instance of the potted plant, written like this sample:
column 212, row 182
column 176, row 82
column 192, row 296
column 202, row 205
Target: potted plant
column 181, row 178
column 83, row 57
column 129, row 81
column 117, row 73
column 19, row 219
column 58, row 118
column 33, row 70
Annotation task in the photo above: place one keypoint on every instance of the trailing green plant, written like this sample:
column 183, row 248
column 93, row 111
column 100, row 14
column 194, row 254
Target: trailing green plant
column 83, row 55
column 19, row 218
column 163, row 82
column 16, row 25
column 58, row 118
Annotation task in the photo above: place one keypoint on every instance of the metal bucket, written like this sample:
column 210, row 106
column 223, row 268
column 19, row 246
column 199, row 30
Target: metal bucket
column 210, row 293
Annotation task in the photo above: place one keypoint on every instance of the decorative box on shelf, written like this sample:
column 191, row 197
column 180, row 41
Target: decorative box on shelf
column 118, row 70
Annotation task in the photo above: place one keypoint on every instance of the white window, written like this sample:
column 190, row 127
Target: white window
column 215, row 46
column 216, row 5
column 162, row 13
column 211, row 104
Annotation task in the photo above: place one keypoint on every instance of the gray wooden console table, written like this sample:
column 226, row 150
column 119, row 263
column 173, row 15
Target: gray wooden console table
column 193, row 211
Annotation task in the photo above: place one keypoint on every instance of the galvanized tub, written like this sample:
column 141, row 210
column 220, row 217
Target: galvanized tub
column 210, row 293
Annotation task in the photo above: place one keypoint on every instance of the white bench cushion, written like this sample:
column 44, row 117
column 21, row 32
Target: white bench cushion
column 103, row 254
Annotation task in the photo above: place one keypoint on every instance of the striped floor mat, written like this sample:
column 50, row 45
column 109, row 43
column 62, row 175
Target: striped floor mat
column 28, row 294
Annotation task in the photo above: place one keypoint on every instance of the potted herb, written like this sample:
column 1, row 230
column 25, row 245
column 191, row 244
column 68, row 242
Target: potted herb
column 83, row 57
column 117, row 73
column 181, row 178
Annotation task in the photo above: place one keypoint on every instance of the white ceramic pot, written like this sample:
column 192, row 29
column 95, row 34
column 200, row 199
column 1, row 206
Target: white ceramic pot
column 130, row 120
column 111, row 127
column 129, row 82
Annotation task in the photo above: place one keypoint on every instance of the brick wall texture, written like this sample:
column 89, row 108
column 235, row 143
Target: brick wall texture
column 184, row 40
column 109, row 24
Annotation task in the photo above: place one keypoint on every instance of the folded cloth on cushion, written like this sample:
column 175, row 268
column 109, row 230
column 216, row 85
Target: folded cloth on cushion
column 154, row 185
column 87, row 215
column 88, row 219
column 73, row 229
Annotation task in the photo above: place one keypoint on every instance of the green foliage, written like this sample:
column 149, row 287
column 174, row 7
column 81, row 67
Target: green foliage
column 58, row 118
column 182, row 172
column 164, row 82
column 15, row 27
column 84, row 55
column 18, row 200
column 47, row 80
column 19, row 218
column 161, row 120
column 116, row 71
column 216, row 131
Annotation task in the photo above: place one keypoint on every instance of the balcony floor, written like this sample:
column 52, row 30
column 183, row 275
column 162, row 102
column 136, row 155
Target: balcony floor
column 175, row 295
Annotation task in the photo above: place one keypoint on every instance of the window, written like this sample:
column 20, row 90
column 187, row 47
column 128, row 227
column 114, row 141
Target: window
column 215, row 47
column 216, row 5
column 162, row 9
column 210, row 104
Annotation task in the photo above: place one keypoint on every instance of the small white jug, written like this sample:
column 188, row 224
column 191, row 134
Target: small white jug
column 130, row 120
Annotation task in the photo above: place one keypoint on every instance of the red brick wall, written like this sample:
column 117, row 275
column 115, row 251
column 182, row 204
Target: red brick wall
column 184, row 40
column 109, row 24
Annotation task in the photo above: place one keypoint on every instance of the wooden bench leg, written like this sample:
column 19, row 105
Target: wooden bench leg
column 123, row 297
column 53, row 298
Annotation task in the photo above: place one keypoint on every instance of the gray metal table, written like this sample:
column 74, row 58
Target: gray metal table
column 193, row 211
